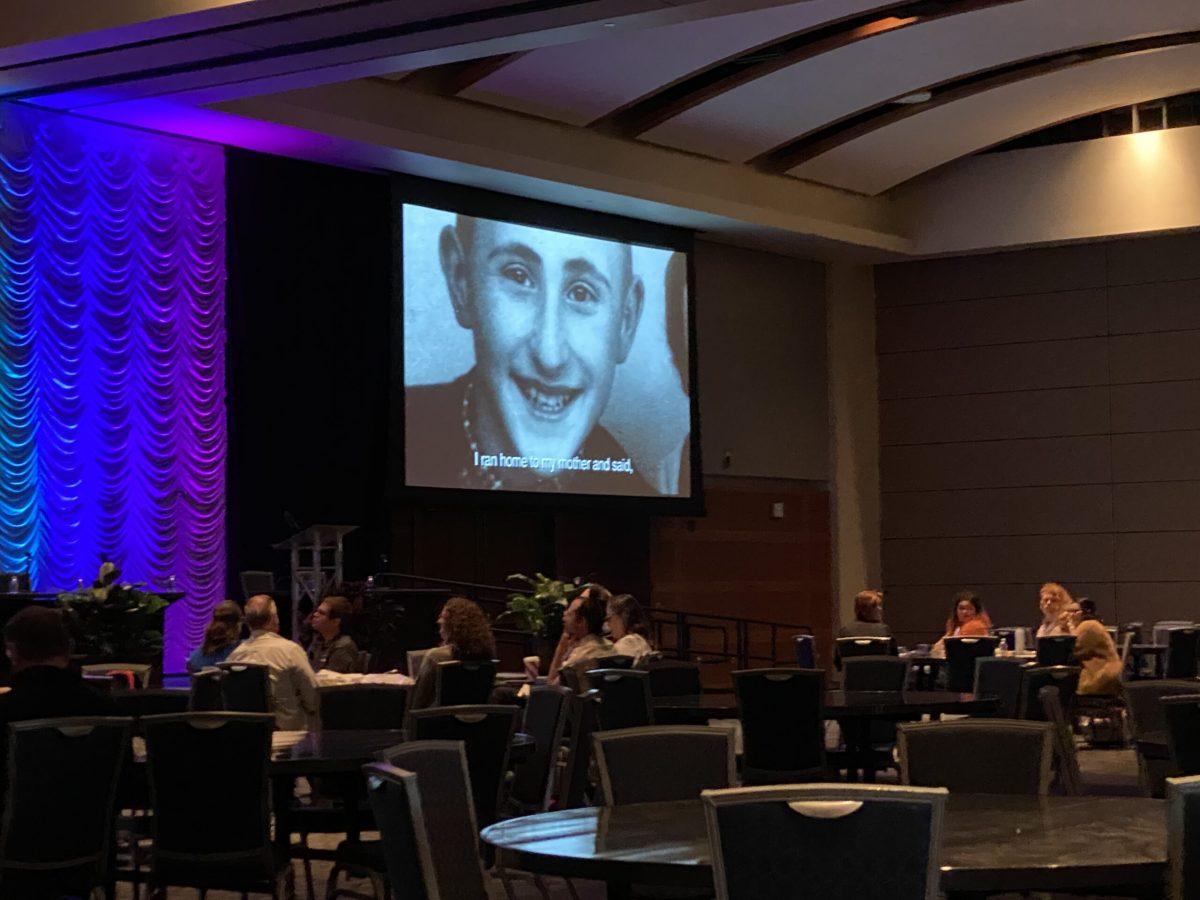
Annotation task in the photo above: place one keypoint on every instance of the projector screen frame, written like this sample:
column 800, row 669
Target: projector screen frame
column 476, row 202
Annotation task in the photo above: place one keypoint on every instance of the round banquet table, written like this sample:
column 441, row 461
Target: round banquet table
column 841, row 705
column 990, row 844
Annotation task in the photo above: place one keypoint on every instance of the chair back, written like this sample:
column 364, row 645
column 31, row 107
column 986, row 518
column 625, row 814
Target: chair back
column 783, row 732
column 673, row 677
column 816, row 824
column 806, row 651
column 56, row 834
column 999, row 677
column 1034, row 678
column 487, row 733
column 404, row 840
column 663, row 762
column 1144, row 700
column 1056, row 650
column 624, row 697
column 364, row 662
column 1065, row 754
column 351, row 707
column 978, row 756
column 1160, row 630
column 585, row 721
column 961, row 653
column 1181, row 652
column 874, row 673
column 571, row 679
column 464, row 682
column 205, row 693
column 208, row 786
column 546, row 713
column 138, row 704
column 616, row 661
column 865, row 646
column 413, row 659
column 1183, row 837
column 131, row 675
column 1182, row 713
column 246, row 687
column 449, row 812
column 1123, row 647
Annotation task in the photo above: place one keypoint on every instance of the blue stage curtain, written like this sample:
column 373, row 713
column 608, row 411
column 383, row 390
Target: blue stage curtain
column 112, row 360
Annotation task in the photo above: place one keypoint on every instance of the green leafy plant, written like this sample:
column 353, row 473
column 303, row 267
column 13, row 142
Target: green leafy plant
column 113, row 621
column 539, row 608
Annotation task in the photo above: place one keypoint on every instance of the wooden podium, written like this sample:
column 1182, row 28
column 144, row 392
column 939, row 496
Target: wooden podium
column 312, row 570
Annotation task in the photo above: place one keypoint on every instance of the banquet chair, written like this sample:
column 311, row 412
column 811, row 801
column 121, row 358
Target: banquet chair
column 1183, row 837
column 806, row 651
column 978, row 756
column 205, row 692
column 348, row 707
column 862, row 646
column 57, row 831
column 768, row 842
column 1182, row 713
column 625, row 700
column 1181, row 651
column 1034, row 678
column 546, row 714
column 209, row 788
column 464, row 682
column 575, row 789
column 487, row 733
column 783, row 729
column 663, row 762
column 245, row 687
column 1056, row 650
column 672, row 677
column 961, row 654
column 1066, row 756
column 448, row 808
column 132, row 676
column 407, row 849
column 999, row 677
column 1148, row 720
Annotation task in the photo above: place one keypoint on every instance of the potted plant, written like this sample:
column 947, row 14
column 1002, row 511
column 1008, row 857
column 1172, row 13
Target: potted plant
column 538, row 610
column 115, row 622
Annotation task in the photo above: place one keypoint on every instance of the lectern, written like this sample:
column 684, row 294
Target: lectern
column 311, row 570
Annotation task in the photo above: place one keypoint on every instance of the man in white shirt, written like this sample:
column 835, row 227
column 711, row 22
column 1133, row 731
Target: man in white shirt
column 293, row 686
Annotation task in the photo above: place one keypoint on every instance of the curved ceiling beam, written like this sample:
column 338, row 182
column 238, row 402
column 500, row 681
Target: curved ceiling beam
column 669, row 101
column 810, row 145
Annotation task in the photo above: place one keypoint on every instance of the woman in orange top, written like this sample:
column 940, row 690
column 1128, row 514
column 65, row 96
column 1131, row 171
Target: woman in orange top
column 967, row 618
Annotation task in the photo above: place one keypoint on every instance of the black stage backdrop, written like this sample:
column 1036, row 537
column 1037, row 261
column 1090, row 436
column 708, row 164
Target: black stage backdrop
column 309, row 261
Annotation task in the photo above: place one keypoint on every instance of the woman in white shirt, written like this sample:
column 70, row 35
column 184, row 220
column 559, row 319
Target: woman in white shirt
column 1055, row 603
column 628, row 628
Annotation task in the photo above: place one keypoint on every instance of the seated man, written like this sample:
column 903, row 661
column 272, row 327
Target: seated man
column 582, row 640
column 43, row 687
column 293, row 687
column 330, row 648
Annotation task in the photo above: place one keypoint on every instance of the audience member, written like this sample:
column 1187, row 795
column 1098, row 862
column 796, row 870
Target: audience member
column 868, row 617
column 43, row 686
column 1054, row 601
column 628, row 628
column 293, row 687
column 466, row 635
column 1087, row 610
column 330, row 648
column 582, row 639
column 967, row 618
column 223, row 633
column 1095, row 652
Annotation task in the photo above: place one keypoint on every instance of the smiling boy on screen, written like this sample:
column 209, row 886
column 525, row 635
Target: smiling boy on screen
column 552, row 315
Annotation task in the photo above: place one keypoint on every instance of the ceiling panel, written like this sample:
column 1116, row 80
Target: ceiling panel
column 882, row 159
column 763, row 114
column 578, row 83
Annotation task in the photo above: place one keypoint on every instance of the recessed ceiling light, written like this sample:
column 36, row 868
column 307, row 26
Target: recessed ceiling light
column 914, row 98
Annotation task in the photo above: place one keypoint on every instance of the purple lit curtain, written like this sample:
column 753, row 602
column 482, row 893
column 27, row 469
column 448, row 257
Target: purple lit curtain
column 112, row 371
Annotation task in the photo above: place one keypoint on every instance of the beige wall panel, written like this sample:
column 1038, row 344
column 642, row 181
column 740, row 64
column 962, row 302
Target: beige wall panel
column 1026, row 463
column 1165, row 456
column 981, row 417
column 973, row 323
column 1083, row 509
column 1009, row 367
column 992, row 275
column 1159, row 406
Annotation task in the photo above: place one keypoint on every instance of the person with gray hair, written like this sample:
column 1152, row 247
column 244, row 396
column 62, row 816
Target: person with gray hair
column 293, row 685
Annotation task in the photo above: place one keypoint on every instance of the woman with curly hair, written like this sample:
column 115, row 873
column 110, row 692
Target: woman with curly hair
column 1055, row 603
column 223, row 633
column 466, row 635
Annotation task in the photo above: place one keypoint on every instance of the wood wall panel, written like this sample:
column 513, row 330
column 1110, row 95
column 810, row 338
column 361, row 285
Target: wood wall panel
column 1060, row 407
column 1008, row 367
column 1077, row 509
column 982, row 417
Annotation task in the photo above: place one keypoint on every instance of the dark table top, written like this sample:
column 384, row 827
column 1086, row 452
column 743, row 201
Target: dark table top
column 341, row 752
column 838, row 704
column 989, row 843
